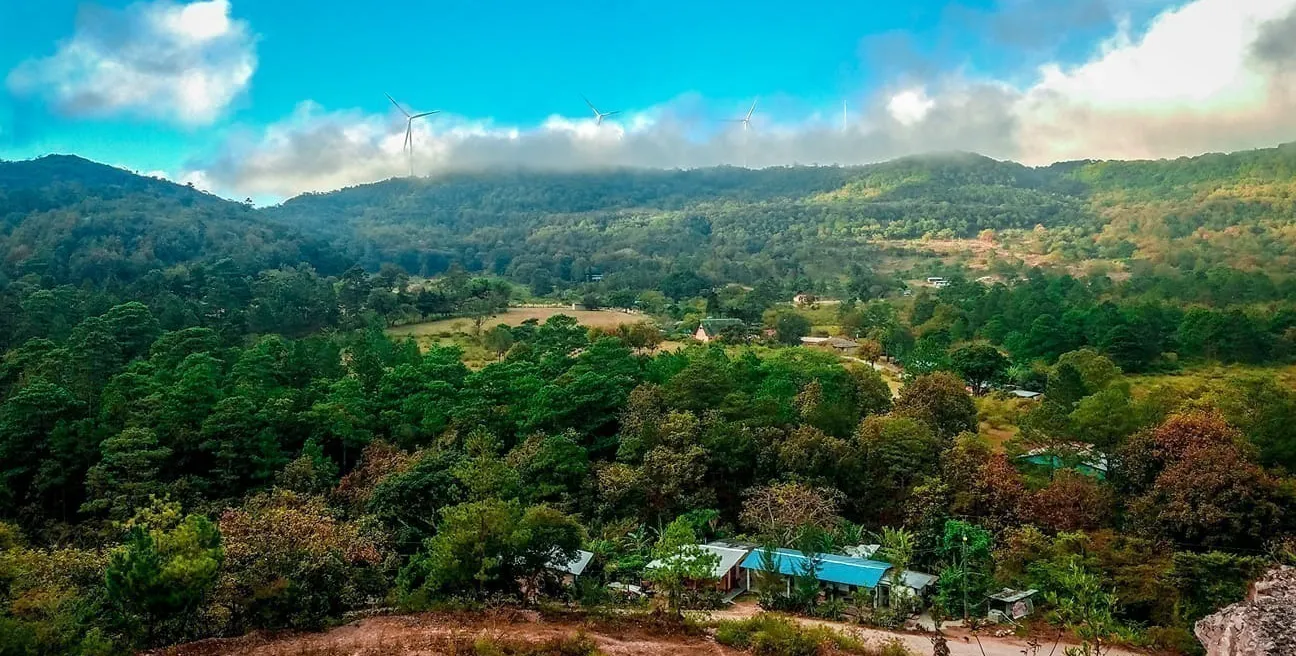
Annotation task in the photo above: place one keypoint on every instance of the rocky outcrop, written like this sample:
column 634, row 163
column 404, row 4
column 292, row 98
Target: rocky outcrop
column 1263, row 625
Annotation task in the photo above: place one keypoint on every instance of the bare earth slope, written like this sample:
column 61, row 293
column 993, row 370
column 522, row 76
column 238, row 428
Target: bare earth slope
column 440, row 633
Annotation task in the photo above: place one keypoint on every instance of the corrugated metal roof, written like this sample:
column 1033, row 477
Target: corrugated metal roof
column 832, row 568
column 729, row 556
column 1010, row 595
column 917, row 580
column 576, row 566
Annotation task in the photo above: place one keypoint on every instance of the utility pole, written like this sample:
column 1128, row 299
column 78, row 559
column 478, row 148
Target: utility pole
column 965, row 575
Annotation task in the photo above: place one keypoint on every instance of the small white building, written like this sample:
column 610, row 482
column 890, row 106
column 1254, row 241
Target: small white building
column 726, row 572
column 1010, row 605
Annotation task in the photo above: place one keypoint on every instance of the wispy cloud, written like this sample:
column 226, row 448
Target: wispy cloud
column 1209, row 75
column 316, row 150
column 183, row 63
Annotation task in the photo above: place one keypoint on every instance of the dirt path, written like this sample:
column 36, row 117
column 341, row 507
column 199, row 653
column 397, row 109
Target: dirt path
column 960, row 642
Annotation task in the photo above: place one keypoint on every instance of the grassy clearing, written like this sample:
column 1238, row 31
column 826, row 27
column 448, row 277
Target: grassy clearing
column 1195, row 377
column 516, row 316
column 459, row 331
column 999, row 415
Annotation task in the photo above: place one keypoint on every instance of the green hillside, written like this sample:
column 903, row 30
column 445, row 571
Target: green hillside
column 72, row 221
column 729, row 224
column 75, row 220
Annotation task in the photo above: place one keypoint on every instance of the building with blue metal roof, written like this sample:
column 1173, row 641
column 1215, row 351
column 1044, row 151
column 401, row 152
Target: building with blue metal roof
column 842, row 570
column 845, row 574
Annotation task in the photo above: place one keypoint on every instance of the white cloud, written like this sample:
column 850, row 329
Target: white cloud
column 1207, row 75
column 318, row 150
column 910, row 106
column 1192, row 82
column 183, row 63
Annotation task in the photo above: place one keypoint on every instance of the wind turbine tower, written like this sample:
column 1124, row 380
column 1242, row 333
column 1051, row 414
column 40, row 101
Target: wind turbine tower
column 409, row 129
column 746, row 127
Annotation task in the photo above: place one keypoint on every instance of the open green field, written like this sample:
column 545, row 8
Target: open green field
column 1194, row 377
column 515, row 317
column 459, row 331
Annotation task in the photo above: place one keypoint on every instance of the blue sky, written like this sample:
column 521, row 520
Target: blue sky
column 273, row 98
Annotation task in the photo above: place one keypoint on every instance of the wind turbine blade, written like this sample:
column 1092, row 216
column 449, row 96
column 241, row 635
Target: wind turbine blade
column 612, row 113
column 591, row 105
column 393, row 100
column 753, row 109
column 435, row 111
column 409, row 135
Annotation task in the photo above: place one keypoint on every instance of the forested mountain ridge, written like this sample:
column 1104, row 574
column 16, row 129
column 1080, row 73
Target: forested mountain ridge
column 76, row 175
column 743, row 225
column 639, row 225
column 73, row 220
column 77, row 238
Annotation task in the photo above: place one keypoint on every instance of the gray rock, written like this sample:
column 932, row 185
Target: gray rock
column 1262, row 625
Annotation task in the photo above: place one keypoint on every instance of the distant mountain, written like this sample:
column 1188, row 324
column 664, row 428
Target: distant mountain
column 727, row 223
column 75, row 220
column 742, row 225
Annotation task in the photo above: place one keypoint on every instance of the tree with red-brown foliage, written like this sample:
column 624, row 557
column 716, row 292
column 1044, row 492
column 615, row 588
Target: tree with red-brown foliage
column 1197, row 483
column 1070, row 502
column 378, row 461
column 1149, row 452
column 1215, row 497
column 290, row 562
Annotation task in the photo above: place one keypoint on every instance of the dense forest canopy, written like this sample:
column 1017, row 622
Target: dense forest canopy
column 71, row 221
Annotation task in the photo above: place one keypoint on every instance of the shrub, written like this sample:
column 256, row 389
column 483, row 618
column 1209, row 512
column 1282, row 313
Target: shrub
column 1174, row 639
column 291, row 564
column 775, row 635
column 891, row 617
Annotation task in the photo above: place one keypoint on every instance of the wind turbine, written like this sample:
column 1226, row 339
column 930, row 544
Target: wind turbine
column 746, row 126
column 598, row 116
column 746, row 120
column 409, row 129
